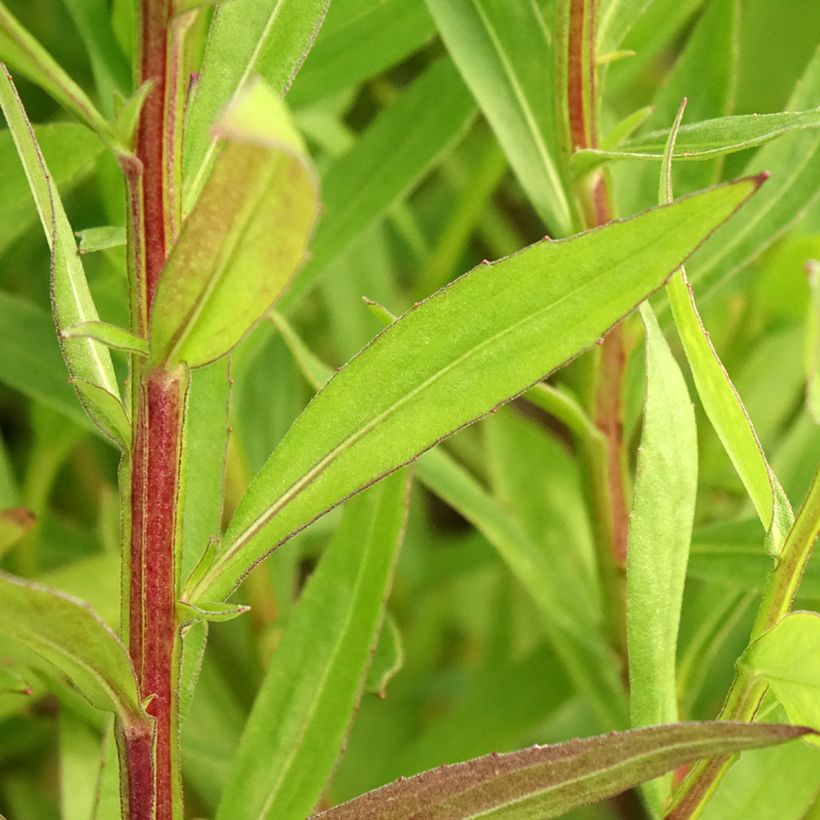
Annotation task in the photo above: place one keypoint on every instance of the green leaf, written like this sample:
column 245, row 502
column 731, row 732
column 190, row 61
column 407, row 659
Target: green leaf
column 71, row 152
column 87, row 360
column 486, row 338
column 305, row 704
column 707, row 139
column 813, row 342
column 615, row 20
column 787, row 657
column 392, row 29
column 24, row 54
column 550, row 781
column 79, row 749
column 388, row 658
column 247, row 39
column 14, row 524
column 660, row 530
column 794, row 167
column 67, row 632
column 117, row 338
column 216, row 612
column 101, row 239
column 385, row 163
column 504, row 53
column 243, row 241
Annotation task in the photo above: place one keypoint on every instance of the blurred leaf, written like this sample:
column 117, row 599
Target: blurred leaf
column 616, row 18
column 787, row 657
column 67, row 632
column 543, row 313
column 387, row 161
column 305, row 704
column 24, row 54
column 80, row 764
column 107, row 798
column 504, row 53
column 246, row 39
column 87, row 360
column 243, row 241
column 71, row 152
column 794, row 165
column 388, row 658
column 813, row 342
column 549, row 781
column 14, row 524
column 660, row 530
column 100, row 239
column 392, row 29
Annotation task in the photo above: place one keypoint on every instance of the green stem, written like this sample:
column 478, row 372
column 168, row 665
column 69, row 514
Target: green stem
column 747, row 690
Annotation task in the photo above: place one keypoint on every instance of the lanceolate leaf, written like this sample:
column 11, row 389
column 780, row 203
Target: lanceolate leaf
column 86, row 359
column 386, row 162
column 485, row 338
column 247, row 39
column 616, row 19
column 550, row 781
column 66, row 632
column 303, row 708
column 243, row 241
column 708, row 139
column 504, row 53
column 111, row 336
column 660, row 530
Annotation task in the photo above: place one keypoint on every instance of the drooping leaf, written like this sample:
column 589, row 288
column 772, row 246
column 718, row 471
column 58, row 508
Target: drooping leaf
column 70, row 151
column 303, row 708
column 86, row 359
column 392, row 29
column 67, row 632
column 660, row 530
column 246, row 40
column 385, row 163
column 504, row 53
column 550, row 781
column 486, row 338
column 243, row 241
column 787, row 657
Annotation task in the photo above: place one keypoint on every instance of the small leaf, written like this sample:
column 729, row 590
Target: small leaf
column 117, row 338
column 660, row 531
column 550, row 781
column 549, row 302
column 212, row 612
column 128, row 114
column 248, row 39
column 504, row 53
column 388, row 658
column 66, row 632
column 14, row 524
column 787, row 657
column 100, row 239
column 87, row 360
column 616, row 20
column 243, row 241
column 305, row 704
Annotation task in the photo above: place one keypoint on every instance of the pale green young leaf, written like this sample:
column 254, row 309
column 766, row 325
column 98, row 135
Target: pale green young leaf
column 616, row 19
column 550, row 781
column 504, row 53
column 787, row 657
column 385, row 163
column 244, row 240
column 246, row 39
column 127, row 113
column 86, row 360
column 304, row 706
column 392, row 29
column 660, row 530
column 102, row 238
column 389, row 404
column 793, row 163
column 70, row 150
column 68, row 633
column 116, row 338
column 24, row 54
column 622, row 130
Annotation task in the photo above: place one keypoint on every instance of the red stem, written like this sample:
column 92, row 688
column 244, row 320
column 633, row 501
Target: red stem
column 139, row 783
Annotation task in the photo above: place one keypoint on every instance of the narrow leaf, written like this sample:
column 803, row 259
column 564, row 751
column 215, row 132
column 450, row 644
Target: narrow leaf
column 305, row 704
column 243, row 241
column 813, row 341
column 67, row 632
column 504, row 53
column 660, row 530
column 385, row 163
column 616, row 19
column 548, row 302
column 247, row 39
column 787, row 657
column 87, row 360
column 109, row 335
column 388, row 658
column 550, row 781
column 101, row 239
